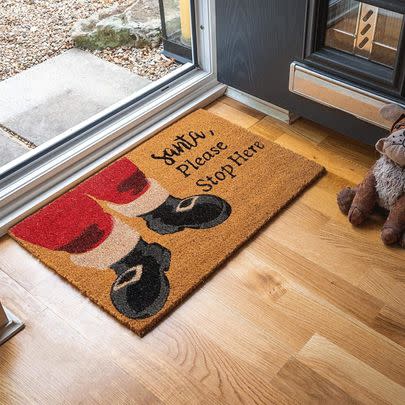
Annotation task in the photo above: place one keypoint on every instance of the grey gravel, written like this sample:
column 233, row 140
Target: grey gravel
column 32, row 31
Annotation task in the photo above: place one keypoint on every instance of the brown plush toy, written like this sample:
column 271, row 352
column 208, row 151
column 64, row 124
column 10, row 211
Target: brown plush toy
column 384, row 184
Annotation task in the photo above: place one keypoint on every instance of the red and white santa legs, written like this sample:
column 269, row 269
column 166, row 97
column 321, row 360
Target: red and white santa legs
column 128, row 192
column 125, row 188
column 77, row 224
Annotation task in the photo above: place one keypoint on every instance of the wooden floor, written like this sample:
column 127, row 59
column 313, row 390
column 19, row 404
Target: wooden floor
column 310, row 311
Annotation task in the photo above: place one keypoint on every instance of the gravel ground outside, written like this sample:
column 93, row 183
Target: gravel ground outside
column 32, row 31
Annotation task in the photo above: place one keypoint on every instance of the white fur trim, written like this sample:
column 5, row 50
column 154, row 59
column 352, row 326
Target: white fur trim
column 390, row 181
column 119, row 243
column 153, row 197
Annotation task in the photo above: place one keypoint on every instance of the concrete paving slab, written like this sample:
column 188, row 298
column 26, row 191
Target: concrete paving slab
column 9, row 149
column 55, row 95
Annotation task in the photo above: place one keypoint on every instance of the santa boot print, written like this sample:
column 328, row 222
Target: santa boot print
column 76, row 224
column 197, row 212
column 141, row 288
column 133, row 195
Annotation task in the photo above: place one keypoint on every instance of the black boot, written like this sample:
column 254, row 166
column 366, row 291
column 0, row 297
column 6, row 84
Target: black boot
column 141, row 287
column 198, row 212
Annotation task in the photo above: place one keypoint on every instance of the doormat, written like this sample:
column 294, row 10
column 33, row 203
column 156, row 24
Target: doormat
column 141, row 234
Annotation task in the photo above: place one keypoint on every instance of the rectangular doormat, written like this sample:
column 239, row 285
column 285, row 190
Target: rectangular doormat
column 141, row 234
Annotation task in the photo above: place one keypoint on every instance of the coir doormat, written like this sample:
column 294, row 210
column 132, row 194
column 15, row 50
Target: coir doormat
column 141, row 234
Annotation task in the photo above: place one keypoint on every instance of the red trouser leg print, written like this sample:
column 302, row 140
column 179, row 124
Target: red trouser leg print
column 77, row 224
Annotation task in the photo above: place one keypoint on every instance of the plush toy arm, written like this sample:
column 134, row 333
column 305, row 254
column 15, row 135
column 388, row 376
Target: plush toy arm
column 364, row 200
column 394, row 227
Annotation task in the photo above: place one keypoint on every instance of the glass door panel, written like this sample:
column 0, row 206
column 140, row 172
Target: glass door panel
column 91, row 60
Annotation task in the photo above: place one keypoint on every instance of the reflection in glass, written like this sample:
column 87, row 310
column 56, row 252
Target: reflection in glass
column 364, row 30
column 176, row 28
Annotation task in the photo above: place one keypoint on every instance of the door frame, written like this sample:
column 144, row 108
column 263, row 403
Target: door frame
column 29, row 182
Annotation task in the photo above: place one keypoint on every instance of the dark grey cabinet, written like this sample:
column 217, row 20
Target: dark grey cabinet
column 257, row 40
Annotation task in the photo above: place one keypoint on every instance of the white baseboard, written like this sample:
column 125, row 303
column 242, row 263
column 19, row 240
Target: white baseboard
column 261, row 105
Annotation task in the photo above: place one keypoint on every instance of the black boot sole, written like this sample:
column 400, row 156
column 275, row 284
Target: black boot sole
column 157, row 225
column 141, row 255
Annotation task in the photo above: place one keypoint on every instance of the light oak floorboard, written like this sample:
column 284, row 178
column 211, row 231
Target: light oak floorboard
column 311, row 310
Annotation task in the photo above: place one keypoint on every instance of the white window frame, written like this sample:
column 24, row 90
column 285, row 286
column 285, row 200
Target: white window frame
column 38, row 177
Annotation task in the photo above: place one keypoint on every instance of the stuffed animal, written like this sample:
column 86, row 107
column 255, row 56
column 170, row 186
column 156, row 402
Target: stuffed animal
column 384, row 184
